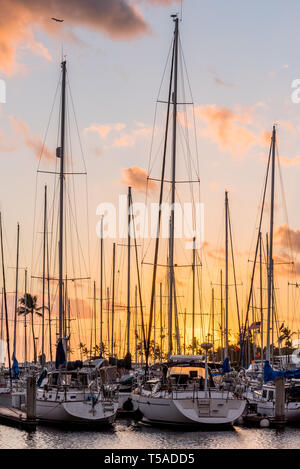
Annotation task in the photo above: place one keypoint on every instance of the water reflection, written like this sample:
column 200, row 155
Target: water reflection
column 130, row 435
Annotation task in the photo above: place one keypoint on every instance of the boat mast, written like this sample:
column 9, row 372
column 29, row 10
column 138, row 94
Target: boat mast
column 147, row 348
column 174, row 149
column 44, row 273
column 101, row 289
column 226, row 275
column 95, row 320
column 61, row 154
column 16, row 294
column 108, row 326
column 161, row 320
column 270, row 250
column 136, row 324
column 222, row 315
column 5, row 300
column 213, row 322
column 193, row 316
column 25, row 322
column 128, row 270
column 261, row 302
column 113, row 301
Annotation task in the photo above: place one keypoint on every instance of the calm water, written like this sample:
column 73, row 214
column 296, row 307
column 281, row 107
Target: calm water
column 132, row 435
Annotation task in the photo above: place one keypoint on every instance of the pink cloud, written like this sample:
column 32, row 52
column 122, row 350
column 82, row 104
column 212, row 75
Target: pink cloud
column 118, row 19
column 137, row 178
column 32, row 141
column 229, row 129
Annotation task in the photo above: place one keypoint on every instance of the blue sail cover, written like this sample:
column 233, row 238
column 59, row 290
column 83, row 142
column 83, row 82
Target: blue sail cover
column 271, row 375
column 15, row 367
column 42, row 377
column 226, row 366
column 60, row 355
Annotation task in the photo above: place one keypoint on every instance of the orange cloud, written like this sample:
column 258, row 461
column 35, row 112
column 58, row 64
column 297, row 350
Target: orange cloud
column 118, row 19
column 289, row 161
column 287, row 237
column 104, row 129
column 229, row 129
column 32, row 141
column 138, row 179
column 125, row 140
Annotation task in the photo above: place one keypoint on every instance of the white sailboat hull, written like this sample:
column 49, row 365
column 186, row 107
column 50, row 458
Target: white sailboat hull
column 80, row 411
column 184, row 409
column 292, row 410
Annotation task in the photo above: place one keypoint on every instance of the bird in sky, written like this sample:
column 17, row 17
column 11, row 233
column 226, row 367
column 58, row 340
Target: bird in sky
column 58, row 20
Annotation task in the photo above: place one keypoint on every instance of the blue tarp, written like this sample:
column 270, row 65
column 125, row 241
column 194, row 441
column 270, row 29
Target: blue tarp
column 42, row 377
column 60, row 355
column 226, row 366
column 271, row 375
column 15, row 367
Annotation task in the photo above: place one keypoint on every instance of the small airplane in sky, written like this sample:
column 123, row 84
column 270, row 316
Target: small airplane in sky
column 57, row 19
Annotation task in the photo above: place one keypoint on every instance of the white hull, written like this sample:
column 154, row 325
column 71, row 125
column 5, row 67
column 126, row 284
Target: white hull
column 185, row 409
column 292, row 410
column 62, row 409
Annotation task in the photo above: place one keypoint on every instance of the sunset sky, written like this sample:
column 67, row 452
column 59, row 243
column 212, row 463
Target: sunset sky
column 242, row 58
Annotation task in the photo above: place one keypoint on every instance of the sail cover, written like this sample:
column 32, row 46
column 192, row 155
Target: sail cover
column 271, row 375
column 60, row 354
column 226, row 366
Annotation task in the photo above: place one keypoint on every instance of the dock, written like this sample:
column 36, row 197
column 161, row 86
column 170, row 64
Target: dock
column 16, row 418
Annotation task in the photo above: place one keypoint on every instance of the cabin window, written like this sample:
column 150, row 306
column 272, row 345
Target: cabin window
column 271, row 395
column 264, row 393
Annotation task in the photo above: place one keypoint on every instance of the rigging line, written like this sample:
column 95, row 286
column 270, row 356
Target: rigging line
column 257, row 243
column 234, row 273
column 138, row 274
column 292, row 257
column 76, row 122
column 156, row 105
column 147, row 351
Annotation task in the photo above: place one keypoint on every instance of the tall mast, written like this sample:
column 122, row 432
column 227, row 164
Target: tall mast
column 95, row 319
column 174, row 148
column 226, row 274
column 48, row 295
column 5, row 299
column 270, row 257
column 261, row 300
column 128, row 271
column 213, row 321
column 101, row 289
column 44, row 273
column 16, row 295
column 160, row 208
column 161, row 320
column 25, row 322
column 222, row 315
column 61, row 154
column 136, row 323
column 108, row 325
column 193, row 316
column 113, row 301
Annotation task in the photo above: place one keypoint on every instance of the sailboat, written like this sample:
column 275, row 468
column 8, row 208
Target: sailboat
column 72, row 394
column 185, row 393
column 263, row 396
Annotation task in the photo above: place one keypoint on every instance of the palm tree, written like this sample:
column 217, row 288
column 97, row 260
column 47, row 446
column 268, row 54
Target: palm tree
column 286, row 335
column 28, row 305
